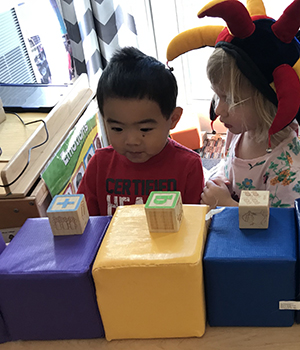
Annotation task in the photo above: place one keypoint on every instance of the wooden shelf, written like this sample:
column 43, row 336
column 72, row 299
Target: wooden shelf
column 17, row 139
column 29, row 197
column 215, row 338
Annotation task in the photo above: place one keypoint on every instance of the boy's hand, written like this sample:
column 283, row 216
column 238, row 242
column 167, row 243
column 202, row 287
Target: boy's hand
column 216, row 193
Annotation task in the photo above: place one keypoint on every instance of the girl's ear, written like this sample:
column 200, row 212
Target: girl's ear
column 175, row 116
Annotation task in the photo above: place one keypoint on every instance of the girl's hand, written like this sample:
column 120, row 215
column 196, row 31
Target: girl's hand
column 221, row 178
column 216, row 193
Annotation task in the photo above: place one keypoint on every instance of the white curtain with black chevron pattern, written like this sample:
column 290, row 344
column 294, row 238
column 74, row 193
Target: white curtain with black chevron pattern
column 96, row 28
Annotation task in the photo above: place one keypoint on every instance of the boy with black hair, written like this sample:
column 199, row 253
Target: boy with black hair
column 137, row 95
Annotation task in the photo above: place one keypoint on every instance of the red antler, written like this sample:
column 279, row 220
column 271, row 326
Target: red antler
column 286, row 27
column 287, row 95
column 234, row 14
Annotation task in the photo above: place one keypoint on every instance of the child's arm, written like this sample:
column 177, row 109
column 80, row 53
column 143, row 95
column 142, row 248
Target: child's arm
column 216, row 193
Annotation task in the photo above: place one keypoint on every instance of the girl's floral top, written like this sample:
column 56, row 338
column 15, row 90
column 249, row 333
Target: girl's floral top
column 277, row 172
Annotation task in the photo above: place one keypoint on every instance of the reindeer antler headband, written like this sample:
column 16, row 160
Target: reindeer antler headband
column 265, row 50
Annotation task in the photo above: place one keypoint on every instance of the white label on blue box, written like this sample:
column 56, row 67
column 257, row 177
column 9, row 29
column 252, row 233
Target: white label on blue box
column 289, row 305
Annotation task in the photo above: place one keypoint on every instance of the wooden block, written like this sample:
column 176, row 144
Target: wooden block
column 164, row 211
column 68, row 214
column 254, row 209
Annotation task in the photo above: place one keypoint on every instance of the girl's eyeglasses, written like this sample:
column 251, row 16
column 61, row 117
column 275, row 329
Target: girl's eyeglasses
column 229, row 102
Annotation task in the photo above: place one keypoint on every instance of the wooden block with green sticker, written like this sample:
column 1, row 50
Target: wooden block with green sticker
column 164, row 211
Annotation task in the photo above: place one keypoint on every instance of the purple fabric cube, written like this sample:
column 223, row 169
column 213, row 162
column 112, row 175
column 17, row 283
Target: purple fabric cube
column 46, row 286
column 4, row 337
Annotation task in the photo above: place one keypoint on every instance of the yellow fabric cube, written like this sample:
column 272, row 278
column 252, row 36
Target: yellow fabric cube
column 150, row 285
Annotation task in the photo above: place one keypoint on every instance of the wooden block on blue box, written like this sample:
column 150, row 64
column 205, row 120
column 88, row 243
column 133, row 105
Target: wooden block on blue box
column 248, row 272
column 68, row 214
column 254, row 209
column 150, row 285
column 164, row 211
column 47, row 290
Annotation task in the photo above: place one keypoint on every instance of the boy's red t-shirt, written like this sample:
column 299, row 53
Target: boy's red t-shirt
column 111, row 179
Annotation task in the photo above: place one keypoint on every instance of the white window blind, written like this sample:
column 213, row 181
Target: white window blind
column 15, row 65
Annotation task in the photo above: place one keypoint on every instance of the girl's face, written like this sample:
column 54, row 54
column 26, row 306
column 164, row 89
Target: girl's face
column 238, row 116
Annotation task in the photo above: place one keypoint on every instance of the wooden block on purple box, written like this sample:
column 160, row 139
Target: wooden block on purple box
column 68, row 214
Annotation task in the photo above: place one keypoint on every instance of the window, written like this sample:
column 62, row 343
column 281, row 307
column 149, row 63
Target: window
column 33, row 43
column 157, row 22
column 13, row 52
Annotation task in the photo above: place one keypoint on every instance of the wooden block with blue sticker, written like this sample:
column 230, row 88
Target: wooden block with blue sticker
column 68, row 214
column 164, row 211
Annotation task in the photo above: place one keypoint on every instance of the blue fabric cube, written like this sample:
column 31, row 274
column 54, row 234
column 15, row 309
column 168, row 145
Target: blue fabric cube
column 247, row 272
column 297, row 210
column 46, row 287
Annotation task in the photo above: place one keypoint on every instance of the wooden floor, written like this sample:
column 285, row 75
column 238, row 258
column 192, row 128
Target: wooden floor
column 214, row 339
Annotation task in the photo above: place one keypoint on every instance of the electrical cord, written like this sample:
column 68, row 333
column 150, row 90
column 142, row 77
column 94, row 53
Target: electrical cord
column 31, row 148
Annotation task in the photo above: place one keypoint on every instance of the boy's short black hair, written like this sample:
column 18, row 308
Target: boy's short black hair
column 131, row 74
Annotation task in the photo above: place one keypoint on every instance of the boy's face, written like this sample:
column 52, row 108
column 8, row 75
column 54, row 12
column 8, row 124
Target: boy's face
column 136, row 128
